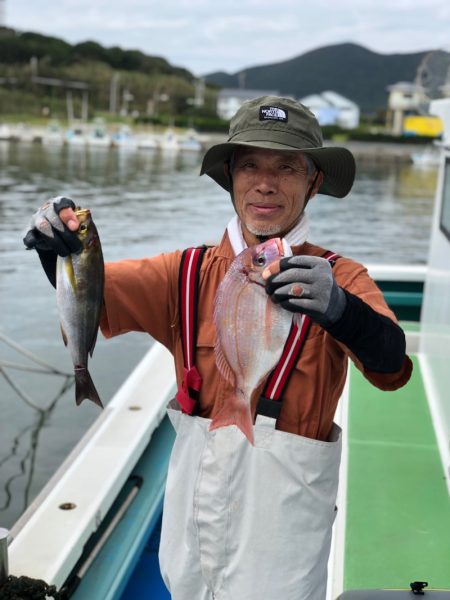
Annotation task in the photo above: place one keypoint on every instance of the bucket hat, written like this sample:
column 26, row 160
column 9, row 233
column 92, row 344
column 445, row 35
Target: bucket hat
column 278, row 123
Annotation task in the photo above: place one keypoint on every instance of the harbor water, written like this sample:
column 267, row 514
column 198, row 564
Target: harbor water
column 143, row 203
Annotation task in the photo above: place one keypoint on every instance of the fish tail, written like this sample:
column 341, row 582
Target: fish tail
column 85, row 388
column 235, row 411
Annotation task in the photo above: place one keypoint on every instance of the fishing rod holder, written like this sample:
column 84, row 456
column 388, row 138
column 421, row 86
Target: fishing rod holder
column 4, row 568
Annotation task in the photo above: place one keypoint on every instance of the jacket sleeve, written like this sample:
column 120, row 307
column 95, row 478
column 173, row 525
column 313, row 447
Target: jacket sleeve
column 141, row 295
column 369, row 331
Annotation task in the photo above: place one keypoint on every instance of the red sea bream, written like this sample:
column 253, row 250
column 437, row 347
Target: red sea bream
column 251, row 332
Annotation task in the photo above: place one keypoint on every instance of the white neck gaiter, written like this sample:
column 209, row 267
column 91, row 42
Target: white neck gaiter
column 295, row 237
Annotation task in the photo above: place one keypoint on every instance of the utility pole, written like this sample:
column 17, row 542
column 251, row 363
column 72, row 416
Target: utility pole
column 69, row 102
column 113, row 93
column 199, row 85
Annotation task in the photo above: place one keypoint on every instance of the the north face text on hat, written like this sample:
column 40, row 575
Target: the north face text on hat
column 273, row 113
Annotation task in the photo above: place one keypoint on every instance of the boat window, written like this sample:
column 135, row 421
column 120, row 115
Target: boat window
column 445, row 212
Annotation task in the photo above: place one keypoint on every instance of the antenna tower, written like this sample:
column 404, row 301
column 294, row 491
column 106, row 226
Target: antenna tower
column 433, row 73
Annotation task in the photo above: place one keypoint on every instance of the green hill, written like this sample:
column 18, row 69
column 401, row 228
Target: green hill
column 349, row 69
column 18, row 48
column 150, row 83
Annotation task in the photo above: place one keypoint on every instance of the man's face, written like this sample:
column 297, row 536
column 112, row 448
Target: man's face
column 269, row 189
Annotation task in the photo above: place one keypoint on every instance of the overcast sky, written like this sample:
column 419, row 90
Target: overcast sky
column 211, row 35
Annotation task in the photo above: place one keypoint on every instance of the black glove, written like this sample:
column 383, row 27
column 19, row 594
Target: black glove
column 306, row 284
column 47, row 232
column 49, row 235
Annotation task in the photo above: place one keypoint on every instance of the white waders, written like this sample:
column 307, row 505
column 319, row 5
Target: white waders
column 245, row 522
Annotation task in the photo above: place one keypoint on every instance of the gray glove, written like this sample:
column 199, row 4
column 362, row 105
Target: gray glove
column 48, row 233
column 306, row 284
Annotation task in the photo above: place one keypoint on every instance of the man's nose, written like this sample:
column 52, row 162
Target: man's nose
column 267, row 183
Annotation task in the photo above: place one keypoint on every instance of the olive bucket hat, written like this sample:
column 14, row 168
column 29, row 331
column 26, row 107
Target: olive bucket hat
column 282, row 124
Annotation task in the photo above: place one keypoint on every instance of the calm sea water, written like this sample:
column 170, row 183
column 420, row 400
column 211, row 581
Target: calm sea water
column 143, row 204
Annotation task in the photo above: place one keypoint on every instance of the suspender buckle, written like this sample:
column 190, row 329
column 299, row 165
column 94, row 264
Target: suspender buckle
column 187, row 394
column 268, row 408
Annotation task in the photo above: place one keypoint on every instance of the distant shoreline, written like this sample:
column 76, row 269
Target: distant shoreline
column 362, row 151
column 383, row 151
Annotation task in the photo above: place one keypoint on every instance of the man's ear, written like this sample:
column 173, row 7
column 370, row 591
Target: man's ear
column 317, row 184
column 227, row 171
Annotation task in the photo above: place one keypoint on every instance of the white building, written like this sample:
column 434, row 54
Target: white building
column 330, row 108
column 404, row 98
column 229, row 100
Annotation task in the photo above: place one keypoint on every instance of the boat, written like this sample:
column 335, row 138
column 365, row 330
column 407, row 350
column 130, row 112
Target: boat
column 76, row 136
column 168, row 141
column 427, row 158
column 97, row 135
column 53, row 134
column 147, row 142
column 124, row 139
column 6, row 132
column 189, row 142
column 93, row 531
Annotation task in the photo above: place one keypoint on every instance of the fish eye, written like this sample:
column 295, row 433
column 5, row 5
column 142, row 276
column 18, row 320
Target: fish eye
column 259, row 260
column 83, row 227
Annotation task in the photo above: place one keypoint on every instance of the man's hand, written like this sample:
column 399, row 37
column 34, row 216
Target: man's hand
column 306, row 284
column 53, row 226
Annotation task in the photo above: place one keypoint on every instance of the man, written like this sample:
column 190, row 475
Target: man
column 245, row 522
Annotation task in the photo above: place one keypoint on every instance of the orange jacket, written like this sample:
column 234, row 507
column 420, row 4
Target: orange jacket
column 142, row 295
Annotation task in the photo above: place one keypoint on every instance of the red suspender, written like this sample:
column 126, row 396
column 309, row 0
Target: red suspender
column 188, row 286
column 271, row 399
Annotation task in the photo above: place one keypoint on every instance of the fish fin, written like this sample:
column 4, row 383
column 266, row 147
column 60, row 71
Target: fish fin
column 85, row 388
column 222, row 364
column 70, row 273
column 235, row 411
column 64, row 336
column 94, row 340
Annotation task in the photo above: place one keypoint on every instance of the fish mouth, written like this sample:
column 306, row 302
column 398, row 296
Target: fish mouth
column 82, row 213
column 252, row 277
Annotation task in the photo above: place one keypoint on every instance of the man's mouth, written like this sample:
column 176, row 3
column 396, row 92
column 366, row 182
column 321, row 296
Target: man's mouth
column 263, row 209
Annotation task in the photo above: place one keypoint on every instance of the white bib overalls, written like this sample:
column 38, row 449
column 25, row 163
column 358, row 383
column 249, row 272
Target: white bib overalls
column 245, row 522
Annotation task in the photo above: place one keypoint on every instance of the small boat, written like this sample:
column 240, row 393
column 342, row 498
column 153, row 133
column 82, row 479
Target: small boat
column 76, row 136
column 53, row 134
column 6, row 132
column 190, row 142
column 430, row 157
column 124, row 139
column 147, row 142
column 98, row 136
column 93, row 531
column 168, row 141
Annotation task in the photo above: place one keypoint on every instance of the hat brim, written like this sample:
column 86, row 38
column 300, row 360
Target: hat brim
column 336, row 163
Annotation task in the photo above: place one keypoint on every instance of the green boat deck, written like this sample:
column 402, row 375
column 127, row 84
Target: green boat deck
column 398, row 507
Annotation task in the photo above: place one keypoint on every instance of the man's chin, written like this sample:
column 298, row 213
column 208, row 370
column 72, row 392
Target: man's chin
column 263, row 231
